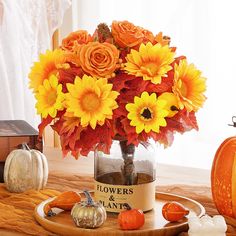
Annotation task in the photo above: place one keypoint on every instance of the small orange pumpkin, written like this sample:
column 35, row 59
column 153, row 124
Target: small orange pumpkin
column 223, row 178
column 131, row 218
column 174, row 211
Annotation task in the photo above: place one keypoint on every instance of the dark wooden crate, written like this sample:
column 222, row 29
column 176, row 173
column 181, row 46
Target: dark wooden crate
column 12, row 134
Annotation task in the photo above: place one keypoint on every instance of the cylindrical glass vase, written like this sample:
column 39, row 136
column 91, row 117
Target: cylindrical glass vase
column 126, row 175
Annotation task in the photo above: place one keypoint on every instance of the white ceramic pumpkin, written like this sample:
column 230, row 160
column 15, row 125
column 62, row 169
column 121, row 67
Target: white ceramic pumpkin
column 25, row 169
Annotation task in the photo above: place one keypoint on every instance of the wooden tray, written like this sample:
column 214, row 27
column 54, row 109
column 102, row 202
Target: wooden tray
column 155, row 224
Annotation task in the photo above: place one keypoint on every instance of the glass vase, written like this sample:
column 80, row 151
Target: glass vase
column 126, row 175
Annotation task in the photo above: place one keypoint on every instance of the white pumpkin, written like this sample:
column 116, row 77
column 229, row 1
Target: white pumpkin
column 25, row 169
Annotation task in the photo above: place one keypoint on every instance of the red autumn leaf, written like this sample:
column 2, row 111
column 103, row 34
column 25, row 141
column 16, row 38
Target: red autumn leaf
column 123, row 54
column 69, row 130
column 75, row 137
column 68, row 76
column 165, row 85
column 189, row 121
column 90, row 138
column 183, row 121
column 118, row 128
column 75, row 154
column 68, row 144
column 45, row 121
column 119, row 81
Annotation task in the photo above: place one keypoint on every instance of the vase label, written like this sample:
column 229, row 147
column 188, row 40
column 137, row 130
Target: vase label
column 113, row 197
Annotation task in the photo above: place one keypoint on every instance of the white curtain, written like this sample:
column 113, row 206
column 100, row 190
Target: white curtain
column 205, row 32
column 26, row 28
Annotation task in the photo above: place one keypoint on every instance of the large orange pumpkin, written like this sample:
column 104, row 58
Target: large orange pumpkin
column 223, row 178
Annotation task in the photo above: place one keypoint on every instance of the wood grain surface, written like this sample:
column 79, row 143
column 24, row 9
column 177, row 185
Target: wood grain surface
column 155, row 224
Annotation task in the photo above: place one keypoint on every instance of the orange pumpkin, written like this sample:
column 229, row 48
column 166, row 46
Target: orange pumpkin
column 131, row 218
column 223, row 178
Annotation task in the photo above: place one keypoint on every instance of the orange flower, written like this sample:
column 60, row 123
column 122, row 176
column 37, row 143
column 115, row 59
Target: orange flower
column 147, row 36
column 98, row 59
column 152, row 62
column 189, row 86
column 163, row 40
column 48, row 64
column 78, row 37
column 126, row 34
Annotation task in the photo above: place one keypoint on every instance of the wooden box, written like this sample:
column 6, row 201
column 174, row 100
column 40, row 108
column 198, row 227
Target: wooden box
column 12, row 134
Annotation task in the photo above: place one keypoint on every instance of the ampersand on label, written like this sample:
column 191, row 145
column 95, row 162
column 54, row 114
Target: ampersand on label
column 111, row 198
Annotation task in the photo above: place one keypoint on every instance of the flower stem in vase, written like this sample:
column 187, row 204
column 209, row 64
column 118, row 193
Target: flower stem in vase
column 128, row 168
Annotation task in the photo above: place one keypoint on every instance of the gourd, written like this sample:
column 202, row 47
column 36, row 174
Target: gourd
column 88, row 214
column 174, row 211
column 64, row 201
column 25, row 169
column 223, row 178
column 131, row 218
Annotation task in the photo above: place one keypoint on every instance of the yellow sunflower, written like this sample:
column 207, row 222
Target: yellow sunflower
column 92, row 100
column 172, row 105
column 48, row 64
column 189, row 86
column 151, row 62
column 147, row 113
column 49, row 97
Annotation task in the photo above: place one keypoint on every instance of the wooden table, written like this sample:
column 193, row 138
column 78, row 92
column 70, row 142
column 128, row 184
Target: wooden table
column 166, row 174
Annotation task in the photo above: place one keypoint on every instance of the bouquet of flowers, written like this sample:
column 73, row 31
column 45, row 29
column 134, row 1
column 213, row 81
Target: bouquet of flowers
column 120, row 82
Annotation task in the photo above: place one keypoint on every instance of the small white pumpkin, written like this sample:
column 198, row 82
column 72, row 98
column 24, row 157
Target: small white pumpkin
column 25, row 169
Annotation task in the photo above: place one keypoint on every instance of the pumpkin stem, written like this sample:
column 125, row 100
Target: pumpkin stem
column 127, row 206
column 233, row 121
column 25, row 146
column 51, row 213
column 89, row 198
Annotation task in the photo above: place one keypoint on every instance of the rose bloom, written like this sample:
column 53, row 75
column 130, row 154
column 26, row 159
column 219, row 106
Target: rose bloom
column 126, row 34
column 147, row 36
column 98, row 59
column 78, row 37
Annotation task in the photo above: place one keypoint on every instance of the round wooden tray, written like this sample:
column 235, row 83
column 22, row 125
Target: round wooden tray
column 155, row 224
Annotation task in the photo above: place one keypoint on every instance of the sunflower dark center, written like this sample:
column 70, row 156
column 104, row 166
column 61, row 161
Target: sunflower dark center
column 146, row 114
column 174, row 108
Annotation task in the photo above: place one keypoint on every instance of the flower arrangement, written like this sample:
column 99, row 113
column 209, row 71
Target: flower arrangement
column 122, row 81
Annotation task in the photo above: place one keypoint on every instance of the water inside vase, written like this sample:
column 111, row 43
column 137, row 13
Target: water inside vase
column 125, row 164
column 117, row 178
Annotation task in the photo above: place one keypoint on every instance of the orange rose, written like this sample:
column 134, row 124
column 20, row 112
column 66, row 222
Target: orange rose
column 126, row 34
column 98, row 59
column 147, row 36
column 78, row 37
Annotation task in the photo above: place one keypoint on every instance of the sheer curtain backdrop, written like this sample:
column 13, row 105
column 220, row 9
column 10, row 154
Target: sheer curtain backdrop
column 26, row 28
column 205, row 32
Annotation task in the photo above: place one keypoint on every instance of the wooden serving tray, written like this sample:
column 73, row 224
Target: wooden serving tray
column 155, row 224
